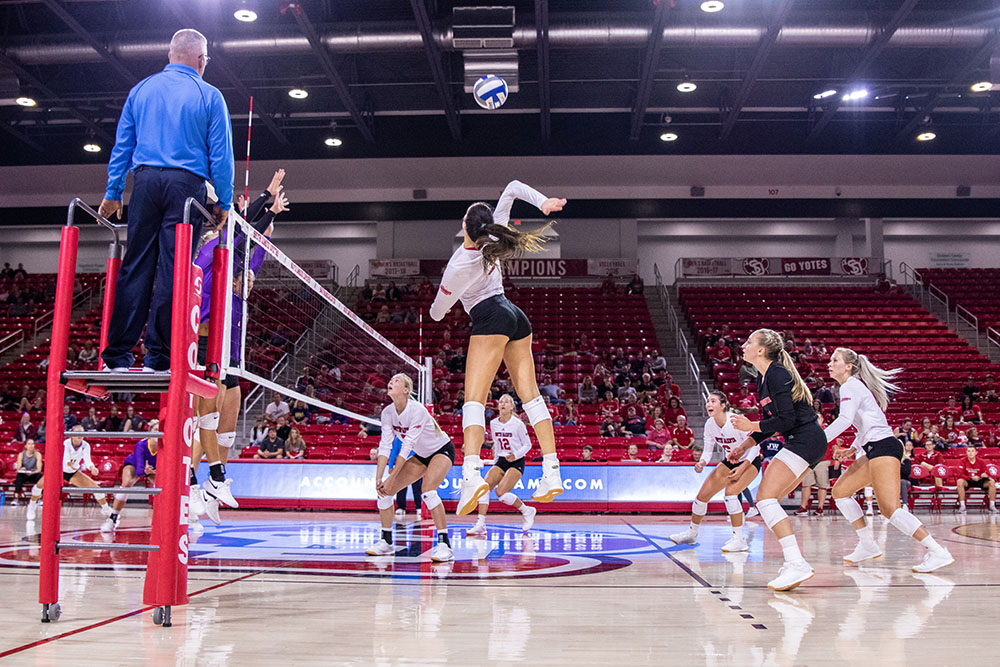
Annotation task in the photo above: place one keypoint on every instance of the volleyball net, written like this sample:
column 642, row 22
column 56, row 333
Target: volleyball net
column 295, row 337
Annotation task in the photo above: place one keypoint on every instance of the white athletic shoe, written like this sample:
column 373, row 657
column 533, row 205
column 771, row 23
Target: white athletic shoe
column 863, row 552
column 687, row 537
column 212, row 511
column 478, row 529
column 106, row 509
column 442, row 553
column 31, row 511
column 529, row 518
column 400, row 514
column 109, row 525
column 736, row 543
column 961, row 508
column 195, row 527
column 934, row 560
column 196, row 501
column 994, row 510
column 752, row 512
column 13, row 502
column 381, row 548
column 220, row 491
column 472, row 490
column 550, row 485
column 791, row 575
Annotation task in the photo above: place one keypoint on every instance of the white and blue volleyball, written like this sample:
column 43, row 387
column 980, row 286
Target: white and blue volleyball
column 490, row 91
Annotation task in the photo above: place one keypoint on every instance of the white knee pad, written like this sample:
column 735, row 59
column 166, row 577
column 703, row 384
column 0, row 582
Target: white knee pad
column 850, row 508
column 121, row 496
column 699, row 508
column 536, row 410
column 485, row 501
column 508, row 499
column 473, row 414
column 733, row 505
column 227, row 439
column 905, row 522
column 209, row 422
column 385, row 502
column 770, row 511
column 431, row 499
column 795, row 463
column 36, row 491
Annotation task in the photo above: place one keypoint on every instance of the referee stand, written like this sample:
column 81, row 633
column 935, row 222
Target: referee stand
column 167, row 564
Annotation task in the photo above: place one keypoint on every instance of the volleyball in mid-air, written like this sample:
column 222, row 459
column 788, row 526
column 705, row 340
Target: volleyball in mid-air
column 490, row 91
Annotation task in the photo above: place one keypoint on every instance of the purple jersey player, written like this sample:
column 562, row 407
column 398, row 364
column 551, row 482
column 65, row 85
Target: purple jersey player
column 141, row 463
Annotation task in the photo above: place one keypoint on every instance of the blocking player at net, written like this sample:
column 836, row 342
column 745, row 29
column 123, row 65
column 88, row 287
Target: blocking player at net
column 501, row 332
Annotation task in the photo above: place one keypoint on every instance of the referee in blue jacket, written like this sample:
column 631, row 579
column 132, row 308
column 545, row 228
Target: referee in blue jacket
column 174, row 134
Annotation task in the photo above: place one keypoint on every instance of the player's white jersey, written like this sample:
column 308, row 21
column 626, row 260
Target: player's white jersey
column 726, row 437
column 859, row 408
column 75, row 458
column 510, row 437
column 414, row 426
column 464, row 277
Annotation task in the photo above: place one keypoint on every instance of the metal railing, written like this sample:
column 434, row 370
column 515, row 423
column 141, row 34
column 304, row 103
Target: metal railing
column 971, row 322
column 352, row 277
column 992, row 343
column 11, row 340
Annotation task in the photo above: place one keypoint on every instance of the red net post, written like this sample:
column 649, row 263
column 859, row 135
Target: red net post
column 115, row 254
column 217, row 317
column 166, row 571
column 48, row 575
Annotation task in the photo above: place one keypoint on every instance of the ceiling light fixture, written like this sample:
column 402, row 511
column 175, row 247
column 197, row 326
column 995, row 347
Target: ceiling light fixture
column 686, row 86
column 981, row 86
column 91, row 147
column 712, row 6
column 26, row 101
column 245, row 15
column 333, row 142
column 926, row 136
column 298, row 93
column 668, row 136
column 825, row 94
column 859, row 94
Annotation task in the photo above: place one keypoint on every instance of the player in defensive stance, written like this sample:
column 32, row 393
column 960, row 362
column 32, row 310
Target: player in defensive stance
column 433, row 456
column 733, row 477
column 511, row 444
column 139, row 464
column 76, row 459
column 864, row 395
column 500, row 332
column 786, row 406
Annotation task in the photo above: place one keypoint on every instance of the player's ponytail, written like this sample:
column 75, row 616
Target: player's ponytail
column 878, row 380
column 497, row 242
column 773, row 344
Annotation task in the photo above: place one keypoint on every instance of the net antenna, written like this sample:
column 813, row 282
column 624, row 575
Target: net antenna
column 296, row 338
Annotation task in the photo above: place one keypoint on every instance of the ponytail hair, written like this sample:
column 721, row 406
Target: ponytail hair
column 498, row 242
column 774, row 346
column 878, row 380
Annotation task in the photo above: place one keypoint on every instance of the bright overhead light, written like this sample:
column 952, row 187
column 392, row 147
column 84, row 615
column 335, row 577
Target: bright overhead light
column 92, row 148
column 981, row 86
column 333, row 142
column 298, row 93
column 668, row 136
column 825, row 94
column 687, row 86
column 26, row 102
column 926, row 136
column 712, row 6
column 245, row 15
column 855, row 95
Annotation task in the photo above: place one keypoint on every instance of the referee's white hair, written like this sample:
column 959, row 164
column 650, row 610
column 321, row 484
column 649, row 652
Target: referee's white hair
column 188, row 43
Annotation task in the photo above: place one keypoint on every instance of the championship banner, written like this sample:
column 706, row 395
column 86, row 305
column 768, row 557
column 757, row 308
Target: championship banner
column 544, row 268
column 706, row 266
column 804, row 266
column 621, row 268
column 393, row 268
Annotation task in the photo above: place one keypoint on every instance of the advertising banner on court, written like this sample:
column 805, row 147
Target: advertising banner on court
column 393, row 268
column 805, row 266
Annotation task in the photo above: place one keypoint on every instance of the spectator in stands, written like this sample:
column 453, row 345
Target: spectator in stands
column 584, row 346
column 384, row 316
column 91, row 422
column 271, row 447
column 362, row 432
column 972, row 438
column 951, row 409
column 632, row 454
column 113, row 422
column 295, row 446
column 646, row 385
column 587, row 454
column 970, row 389
column 905, row 469
column 276, row 408
column 378, row 293
column 19, row 273
column 27, row 468
column 586, row 393
column 570, row 413
column 818, row 476
column 25, row 429
column 445, row 404
column 746, row 402
column 667, row 455
column 905, row 431
column 635, row 286
column 283, row 428
column 633, row 423
column 549, row 388
column 7, row 271
column 652, row 413
column 971, row 413
column 69, row 419
column 608, row 284
column 720, row 353
column 929, row 458
column 392, row 293
column 610, row 428
column 659, row 437
column 259, row 430
column 825, row 393
column 300, row 413
column 949, row 432
column 610, row 405
column 134, row 421
column 989, row 391
column 922, row 432
column 674, row 411
column 683, row 437
column 37, row 403
column 626, row 389
column 974, row 475
column 657, row 362
column 88, row 355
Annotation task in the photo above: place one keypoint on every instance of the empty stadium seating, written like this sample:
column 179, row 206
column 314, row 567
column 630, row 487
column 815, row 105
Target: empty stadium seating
column 976, row 290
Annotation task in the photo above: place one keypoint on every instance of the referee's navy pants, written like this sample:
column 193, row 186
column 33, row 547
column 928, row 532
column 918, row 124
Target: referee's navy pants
column 144, row 295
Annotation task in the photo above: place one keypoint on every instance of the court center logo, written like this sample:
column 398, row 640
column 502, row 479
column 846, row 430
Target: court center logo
column 756, row 266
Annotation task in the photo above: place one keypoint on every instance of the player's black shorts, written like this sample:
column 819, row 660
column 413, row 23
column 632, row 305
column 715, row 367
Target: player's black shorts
column 68, row 476
column 808, row 442
column 885, row 447
column 756, row 463
column 981, row 483
column 498, row 316
column 447, row 449
column 231, row 380
column 505, row 465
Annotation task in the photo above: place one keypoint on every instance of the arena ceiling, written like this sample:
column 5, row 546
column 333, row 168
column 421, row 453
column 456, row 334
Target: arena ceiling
column 595, row 77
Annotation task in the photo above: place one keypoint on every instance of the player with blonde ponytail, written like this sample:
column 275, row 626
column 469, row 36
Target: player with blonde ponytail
column 864, row 395
column 786, row 407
